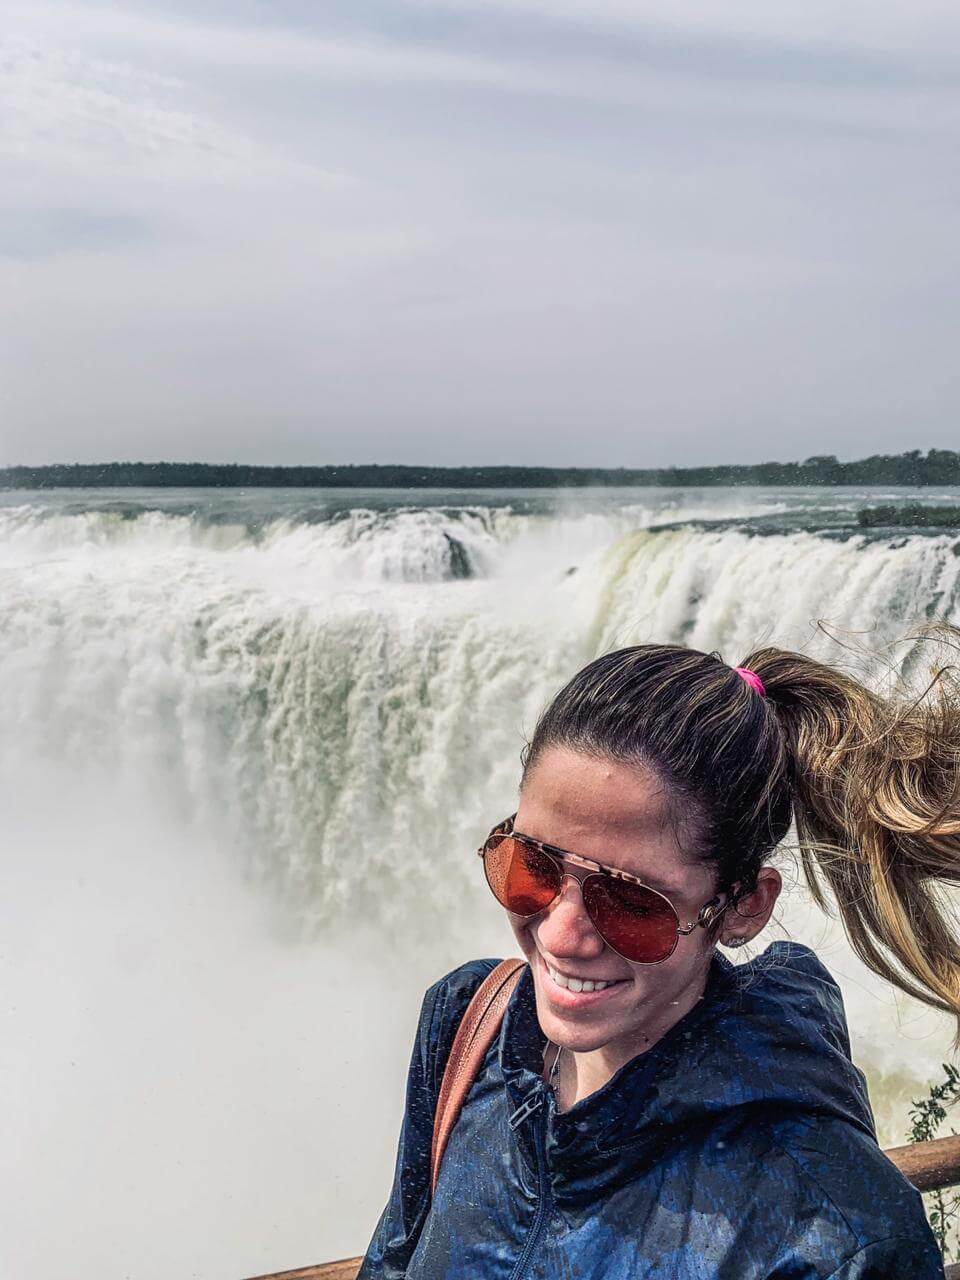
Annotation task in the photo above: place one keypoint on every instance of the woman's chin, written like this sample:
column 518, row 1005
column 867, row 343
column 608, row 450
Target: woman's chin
column 578, row 1032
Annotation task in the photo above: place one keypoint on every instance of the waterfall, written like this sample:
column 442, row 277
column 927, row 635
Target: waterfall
column 287, row 720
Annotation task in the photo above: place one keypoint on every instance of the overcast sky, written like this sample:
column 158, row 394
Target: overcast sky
column 466, row 231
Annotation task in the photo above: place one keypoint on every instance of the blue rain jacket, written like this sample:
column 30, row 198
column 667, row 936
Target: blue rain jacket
column 741, row 1146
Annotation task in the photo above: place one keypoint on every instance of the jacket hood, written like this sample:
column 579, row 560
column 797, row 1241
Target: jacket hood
column 768, row 1041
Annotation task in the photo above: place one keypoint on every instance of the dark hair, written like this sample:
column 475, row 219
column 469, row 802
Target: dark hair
column 872, row 782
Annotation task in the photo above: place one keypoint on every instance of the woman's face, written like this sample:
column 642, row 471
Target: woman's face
column 612, row 813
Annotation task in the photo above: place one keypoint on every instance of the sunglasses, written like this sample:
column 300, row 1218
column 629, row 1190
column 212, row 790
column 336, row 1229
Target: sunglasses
column 637, row 922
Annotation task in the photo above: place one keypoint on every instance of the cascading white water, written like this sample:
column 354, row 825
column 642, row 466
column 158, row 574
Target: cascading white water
column 250, row 742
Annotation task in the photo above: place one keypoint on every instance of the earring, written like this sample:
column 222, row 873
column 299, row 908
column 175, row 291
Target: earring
column 735, row 942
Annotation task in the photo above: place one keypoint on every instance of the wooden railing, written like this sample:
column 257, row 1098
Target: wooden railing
column 928, row 1165
column 345, row 1269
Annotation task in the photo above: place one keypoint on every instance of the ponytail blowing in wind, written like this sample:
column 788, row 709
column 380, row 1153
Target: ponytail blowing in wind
column 872, row 782
column 876, row 795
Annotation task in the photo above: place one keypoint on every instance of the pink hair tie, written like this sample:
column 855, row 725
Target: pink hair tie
column 751, row 678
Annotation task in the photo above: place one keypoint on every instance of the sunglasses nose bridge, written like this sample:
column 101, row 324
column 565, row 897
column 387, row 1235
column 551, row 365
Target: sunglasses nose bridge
column 566, row 926
column 569, row 875
column 559, row 896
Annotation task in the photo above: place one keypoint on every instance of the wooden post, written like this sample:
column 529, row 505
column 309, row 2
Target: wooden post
column 345, row 1269
column 929, row 1165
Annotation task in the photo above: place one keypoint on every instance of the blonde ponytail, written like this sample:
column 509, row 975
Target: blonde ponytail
column 875, row 783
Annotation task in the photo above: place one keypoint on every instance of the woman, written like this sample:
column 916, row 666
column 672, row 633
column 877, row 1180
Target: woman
column 650, row 1109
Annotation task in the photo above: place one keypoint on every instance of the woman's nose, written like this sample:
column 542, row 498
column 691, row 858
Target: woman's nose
column 565, row 928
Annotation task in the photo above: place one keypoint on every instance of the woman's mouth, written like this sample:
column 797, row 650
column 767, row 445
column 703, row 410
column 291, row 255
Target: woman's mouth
column 562, row 991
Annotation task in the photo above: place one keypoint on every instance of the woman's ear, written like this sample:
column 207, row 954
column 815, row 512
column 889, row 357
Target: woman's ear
column 749, row 914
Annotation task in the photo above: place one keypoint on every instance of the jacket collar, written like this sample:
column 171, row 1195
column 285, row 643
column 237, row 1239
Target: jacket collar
column 768, row 1036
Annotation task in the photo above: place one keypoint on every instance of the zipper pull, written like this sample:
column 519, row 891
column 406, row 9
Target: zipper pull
column 526, row 1108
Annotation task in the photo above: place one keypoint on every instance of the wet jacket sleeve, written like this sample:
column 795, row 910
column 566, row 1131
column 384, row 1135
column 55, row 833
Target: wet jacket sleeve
column 398, row 1230
column 897, row 1258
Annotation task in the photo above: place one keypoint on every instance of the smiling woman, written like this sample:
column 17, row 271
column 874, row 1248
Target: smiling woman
column 647, row 1108
column 621, row 933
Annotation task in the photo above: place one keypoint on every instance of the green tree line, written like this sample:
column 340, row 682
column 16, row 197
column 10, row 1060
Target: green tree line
column 937, row 467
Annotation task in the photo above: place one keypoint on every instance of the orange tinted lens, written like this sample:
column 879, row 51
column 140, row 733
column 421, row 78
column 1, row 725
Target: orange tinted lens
column 637, row 922
column 522, row 879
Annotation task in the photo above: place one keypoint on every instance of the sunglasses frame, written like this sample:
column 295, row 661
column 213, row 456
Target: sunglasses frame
column 709, row 913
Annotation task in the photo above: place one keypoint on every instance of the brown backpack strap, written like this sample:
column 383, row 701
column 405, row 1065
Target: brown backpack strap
column 478, row 1027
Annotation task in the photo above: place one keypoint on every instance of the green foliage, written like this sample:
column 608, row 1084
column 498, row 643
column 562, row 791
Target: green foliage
column 940, row 467
column 926, row 1116
column 911, row 514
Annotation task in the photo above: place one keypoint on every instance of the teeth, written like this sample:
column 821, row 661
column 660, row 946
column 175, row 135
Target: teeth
column 576, row 984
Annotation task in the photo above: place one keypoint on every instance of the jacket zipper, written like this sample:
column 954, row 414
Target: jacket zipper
column 543, row 1196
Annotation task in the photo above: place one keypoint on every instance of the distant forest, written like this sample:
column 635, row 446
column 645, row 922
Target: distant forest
column 937, row 467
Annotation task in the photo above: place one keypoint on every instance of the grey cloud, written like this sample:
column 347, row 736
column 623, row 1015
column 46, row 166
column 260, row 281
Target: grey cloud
column 457, row 233
column 35, row 233
column 643, row 37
